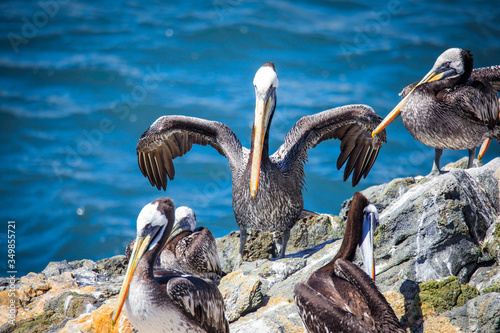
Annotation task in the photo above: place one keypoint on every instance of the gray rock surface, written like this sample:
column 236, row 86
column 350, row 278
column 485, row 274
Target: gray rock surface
column 433, row 227
column 480, row 315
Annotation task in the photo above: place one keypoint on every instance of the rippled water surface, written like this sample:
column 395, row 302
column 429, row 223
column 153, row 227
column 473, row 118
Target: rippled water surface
column 81, row 80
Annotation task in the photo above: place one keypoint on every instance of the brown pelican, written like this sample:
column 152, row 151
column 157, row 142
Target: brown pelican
column 267, row 190
column 452, row 107
column 188, row 250
column 340, row 297
column 191, row 250
column 172, row 302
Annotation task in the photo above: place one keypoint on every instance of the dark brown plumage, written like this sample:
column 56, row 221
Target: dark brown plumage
column 340, row 297
column 267, row 190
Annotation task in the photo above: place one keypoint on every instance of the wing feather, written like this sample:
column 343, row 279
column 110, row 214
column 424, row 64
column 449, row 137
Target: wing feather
column 173, row 136
column 203, row 252
column 381, row 311
column 352, row 124
column 166, row 153
column 322, row 314
column 200, row 300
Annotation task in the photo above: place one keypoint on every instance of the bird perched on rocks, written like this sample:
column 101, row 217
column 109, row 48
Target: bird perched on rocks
column 267, row 190
column 452, row 107
column 171, row 302
column 340, row 297
column 189, row 249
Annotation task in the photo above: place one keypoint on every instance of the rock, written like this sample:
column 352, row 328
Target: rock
column 432, row 227
column 437, row 253
column 480, row 314
column 312, row 231
column 279, row 315
column 227, row 248
column 306, row 233
column 63, row 291
column 242, row 294
column 72, row 304
column 99, row 321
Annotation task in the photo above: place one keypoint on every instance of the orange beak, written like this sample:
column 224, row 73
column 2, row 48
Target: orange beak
column 484, row 148
column 140, row 247
column 431, row 76
column 261, row 121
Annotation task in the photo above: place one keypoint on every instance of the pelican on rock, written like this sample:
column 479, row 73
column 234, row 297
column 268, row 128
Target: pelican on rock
column 267, row 190
column 189, row 250
column 340, row 297
column 453, row 107
column 171, row 302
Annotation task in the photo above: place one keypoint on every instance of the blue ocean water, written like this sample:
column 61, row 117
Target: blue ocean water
column 81, row 80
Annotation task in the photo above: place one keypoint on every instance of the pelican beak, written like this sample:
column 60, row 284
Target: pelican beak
column 176, row 229
column 484, row 148
column 370, row 223
column 140, row 247
column 433, row 75
column 263, row 110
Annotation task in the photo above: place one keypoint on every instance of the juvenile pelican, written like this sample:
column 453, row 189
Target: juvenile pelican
column 267, row 190
column 172, row 302
column 452, row 107
column 191, row 250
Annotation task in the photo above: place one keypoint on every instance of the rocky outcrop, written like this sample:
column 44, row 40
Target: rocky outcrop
column 77, row 296
column 437, row 253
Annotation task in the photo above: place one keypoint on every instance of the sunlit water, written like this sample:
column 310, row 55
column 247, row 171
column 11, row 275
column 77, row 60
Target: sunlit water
column 81, row 80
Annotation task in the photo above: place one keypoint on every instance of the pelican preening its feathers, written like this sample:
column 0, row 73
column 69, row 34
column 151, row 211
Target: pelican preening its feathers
column 172, row 302
column 267, row 190
column 452, row 107
column 191, row 250
column 188, row 250
column 340, row 297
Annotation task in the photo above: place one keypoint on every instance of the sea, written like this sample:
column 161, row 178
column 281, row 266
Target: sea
column 80, row 81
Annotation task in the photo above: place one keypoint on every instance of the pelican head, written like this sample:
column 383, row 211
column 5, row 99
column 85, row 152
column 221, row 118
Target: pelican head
column 452, row 63
column 185, row 220
column 153, row 224
column 266, row 82
column 370, row 224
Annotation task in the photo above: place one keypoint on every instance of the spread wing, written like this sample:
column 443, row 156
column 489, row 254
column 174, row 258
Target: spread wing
column 352, row 124
column 200, row 300
column 172, row 136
